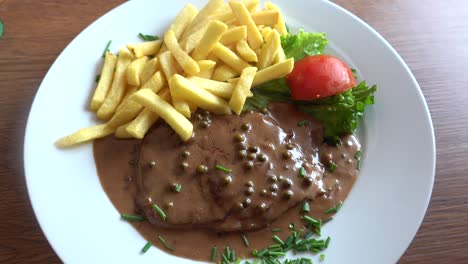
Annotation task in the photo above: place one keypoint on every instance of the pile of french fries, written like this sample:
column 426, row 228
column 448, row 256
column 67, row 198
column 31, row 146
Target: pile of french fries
column 208, row 59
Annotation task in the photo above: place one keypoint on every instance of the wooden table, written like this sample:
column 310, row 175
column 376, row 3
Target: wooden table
column 432, row 37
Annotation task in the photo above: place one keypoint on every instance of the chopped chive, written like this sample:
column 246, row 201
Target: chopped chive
column 332, row 167
column 302, row 172
column 246, row 242
column 233, row 255
column 225, row 259
column 278, row 239
column 262, row 253
column 310, row 220
column 358, row 166
column 227, row 252
column 335, row 208
column 322, row 257
column 164, row 242
column 221, row 168
column 146, row 247
column 107, row 48
column 177, row 187
column 98, row 77
column 358, row 154
column 160, row 211
column 214, row 253
column 306, row 207
column 148, row 37
column 276, row 230
column 136, row 218
column 303, row 123
column 2, row 29
column 327, row 242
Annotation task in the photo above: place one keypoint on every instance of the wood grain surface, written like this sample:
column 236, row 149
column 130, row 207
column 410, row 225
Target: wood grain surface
column 431, row 36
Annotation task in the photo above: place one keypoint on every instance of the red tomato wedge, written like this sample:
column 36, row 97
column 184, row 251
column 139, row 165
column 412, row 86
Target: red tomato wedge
column 319, row 76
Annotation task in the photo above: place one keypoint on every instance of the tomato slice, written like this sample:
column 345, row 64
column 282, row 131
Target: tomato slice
column 319, row 76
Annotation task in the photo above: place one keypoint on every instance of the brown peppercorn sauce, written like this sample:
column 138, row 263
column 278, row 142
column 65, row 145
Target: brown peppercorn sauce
column 211, row 209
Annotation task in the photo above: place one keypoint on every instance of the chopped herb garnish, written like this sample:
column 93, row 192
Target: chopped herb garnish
column 335, row 208
column 327, row 220
column 2, row 29
column 358, row 166
column 214, row 253
column 276, row 230
column 221, row 168
column 146, row 247
column 98, row 77
column 107, row 48
column 233, row 255
column 332, row 167
column 177, row 187
column 148, row 37
column 358, row 154
column 246, row 241
column 303, row 123
column 306, row 207
column 135, row 218
column 302, row 172
column 164, row 242
column 322, row 257
column 327, row 242
column 354, row 71
column 160, row 211
column 278, row 239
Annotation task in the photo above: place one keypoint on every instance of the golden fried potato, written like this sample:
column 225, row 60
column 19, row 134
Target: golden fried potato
column 242, row 89
column 223, row 73
column 84, row 135
column 168, row 64
column 267, row 18
column 269, row 50
column 188, row 64
column 126, row 113
column 206, row 68
column 121, row 132
column 145, row 48
column 134, row 70
column 107, row 75
column 270, row 73
column 155, row 83
column 230, row 58
column 212, row 35
column 148, row 70
column 234, row 35
column 221, row 89
column 280, row 26
column 243, row 16
column 246, row 52
column 183, row 20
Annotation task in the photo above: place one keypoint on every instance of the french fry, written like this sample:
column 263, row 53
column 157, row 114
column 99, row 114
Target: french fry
column 266, row 32
column 126, row 113
column 251, row 5
column 280, row 56
column 155, row 83
column 84, row 135
column 174, row 119
column 206, row 68
column 167, row 64
column 142, row 123
column 221, row 89
column 267, row 18
column 242, row 89
column 105, row 82
column 211, row 36
column 183, row 20
column 243, row 16
column 178, row 102
column 121, row 132
column 117, row 89
column 230, row 58
column 130, row 90
column 269, row 50
column 207, row 12
column 192, row 41
column 188, row 64
column 246, row 52
column 202, row 98
column 145, row 48
column 270, row 73
column 280, row 26
column 134, row 70
column 234, row 35
column 223, row 73
column 148, row 70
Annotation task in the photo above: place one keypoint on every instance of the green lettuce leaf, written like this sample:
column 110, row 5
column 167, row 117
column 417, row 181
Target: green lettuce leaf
column 303, row 44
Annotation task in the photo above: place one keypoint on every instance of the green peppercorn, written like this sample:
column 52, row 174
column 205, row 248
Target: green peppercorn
column 264, row 110
column 245, row 126
column 287, row 155
column 199, row 117
column 239, row 137
column 251, row 156
column 253, row 149
column 261, row 157
column 249, row 184
column 246, row 203
column 204, row 124
column 206, row 113
column 274, row 187
column 249, row 165
column 202, row 169
column 289, row 146
column 262, row 207
column 227, row 179
column 287, row 183
column 241, row 145
column 263, row 192
column 287, row 194
column 272, row 178
column 249, row 191
column 242, row 153
column 151, row 164
column 185, row 154
column 308, row 181
column 169, row 204
column 183, row 165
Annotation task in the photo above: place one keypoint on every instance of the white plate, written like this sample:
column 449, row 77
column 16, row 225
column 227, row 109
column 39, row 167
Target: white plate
column 375, row 225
